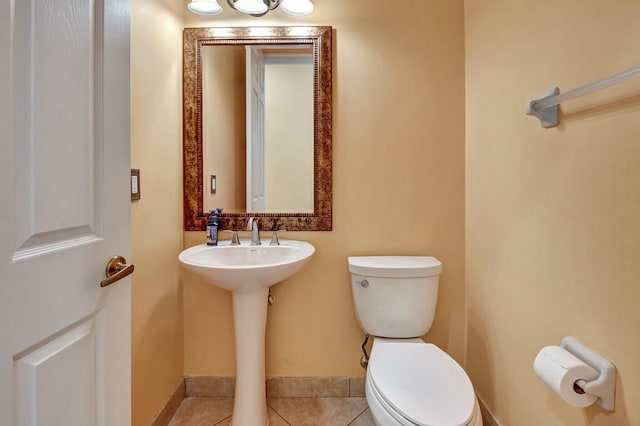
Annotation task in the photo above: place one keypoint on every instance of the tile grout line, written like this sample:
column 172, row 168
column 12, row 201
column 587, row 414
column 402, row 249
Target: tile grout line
column 228, row 417
column 279, row 415
column 356, row 417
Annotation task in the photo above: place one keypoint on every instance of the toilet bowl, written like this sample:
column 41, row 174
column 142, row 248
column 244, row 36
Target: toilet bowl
column 409, row 381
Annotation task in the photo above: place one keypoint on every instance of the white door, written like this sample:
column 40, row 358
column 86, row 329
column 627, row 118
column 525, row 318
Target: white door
column 255, row 130
column 64, row 212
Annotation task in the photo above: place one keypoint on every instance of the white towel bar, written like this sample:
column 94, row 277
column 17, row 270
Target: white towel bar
column 545, row 108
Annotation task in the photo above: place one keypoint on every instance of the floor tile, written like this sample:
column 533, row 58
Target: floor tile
column 364, row 419
column 202, row 411
column 318, row 411
column 274, row 420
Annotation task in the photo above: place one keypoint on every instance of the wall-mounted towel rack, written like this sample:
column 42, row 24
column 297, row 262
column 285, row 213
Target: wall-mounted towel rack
column 545, row 108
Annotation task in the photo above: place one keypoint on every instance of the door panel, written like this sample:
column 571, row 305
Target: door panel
column 37, row 369
column 64, row 124
column 56, row 90
column 255, row 130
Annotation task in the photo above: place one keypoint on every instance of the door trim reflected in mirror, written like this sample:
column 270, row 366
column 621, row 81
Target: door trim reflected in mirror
column 320, row 38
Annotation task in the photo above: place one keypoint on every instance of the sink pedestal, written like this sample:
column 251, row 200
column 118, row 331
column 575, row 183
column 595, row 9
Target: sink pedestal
column 250, row 321
column 247, row 272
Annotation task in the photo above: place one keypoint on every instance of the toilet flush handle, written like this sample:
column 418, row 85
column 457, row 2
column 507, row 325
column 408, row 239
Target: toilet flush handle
column 363, row 283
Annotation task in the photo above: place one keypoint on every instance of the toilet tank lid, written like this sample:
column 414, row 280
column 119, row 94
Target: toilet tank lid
column 395, row 266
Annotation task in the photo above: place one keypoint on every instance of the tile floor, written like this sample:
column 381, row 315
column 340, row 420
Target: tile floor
column 210, row 411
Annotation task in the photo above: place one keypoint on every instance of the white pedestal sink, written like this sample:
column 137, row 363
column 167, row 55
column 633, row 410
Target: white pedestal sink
column 248, row 272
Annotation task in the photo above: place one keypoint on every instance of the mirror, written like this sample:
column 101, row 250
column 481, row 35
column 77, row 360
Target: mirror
column 257, row 128
column 289, row 183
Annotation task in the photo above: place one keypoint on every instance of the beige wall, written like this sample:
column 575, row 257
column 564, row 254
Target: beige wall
column 398, row 187
column 553, row 236
column 156, row 220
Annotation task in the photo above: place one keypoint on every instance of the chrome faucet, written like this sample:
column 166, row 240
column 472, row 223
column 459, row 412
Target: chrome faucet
column 252, row 225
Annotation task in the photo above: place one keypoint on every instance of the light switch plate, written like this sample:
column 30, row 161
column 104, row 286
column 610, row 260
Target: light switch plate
column 135, row 184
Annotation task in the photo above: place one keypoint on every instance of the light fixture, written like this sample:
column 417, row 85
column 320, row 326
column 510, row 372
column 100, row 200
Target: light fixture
column 255, row 8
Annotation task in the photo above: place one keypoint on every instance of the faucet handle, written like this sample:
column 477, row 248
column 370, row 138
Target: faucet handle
column 235, row 241
column 274, row 238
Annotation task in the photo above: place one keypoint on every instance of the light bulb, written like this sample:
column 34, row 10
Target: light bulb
column 205, row 7
column 251, row 7
column 297, row 7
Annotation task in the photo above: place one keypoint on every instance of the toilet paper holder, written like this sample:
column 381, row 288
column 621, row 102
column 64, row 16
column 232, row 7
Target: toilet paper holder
column 604, row 386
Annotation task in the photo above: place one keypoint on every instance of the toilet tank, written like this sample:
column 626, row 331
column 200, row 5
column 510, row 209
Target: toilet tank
column 395, row 296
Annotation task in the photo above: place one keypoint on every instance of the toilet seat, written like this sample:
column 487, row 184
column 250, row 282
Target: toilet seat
column 419, row 384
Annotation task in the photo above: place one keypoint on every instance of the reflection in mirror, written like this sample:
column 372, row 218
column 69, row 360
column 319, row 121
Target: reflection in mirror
column 257, row 120
column 260, row 149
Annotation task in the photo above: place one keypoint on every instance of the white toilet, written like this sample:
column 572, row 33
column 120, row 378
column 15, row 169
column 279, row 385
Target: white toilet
column 409, row 382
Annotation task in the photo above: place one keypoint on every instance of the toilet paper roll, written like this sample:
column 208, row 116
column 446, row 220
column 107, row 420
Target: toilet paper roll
column 560, row 369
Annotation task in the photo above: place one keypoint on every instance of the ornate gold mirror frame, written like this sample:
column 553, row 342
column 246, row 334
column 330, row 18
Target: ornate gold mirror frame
column 194, row 40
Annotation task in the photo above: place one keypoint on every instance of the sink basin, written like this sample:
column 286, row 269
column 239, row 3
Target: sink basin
column 246, row 268
column 248, row 271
